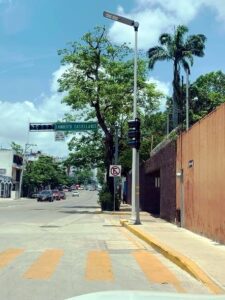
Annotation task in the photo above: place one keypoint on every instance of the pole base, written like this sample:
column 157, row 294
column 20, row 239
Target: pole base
column 134, row 221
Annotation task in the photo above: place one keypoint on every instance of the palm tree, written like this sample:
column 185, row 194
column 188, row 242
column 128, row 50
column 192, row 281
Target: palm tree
column 180, row 50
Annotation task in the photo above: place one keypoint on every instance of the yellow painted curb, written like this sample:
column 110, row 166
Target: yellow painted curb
column 180, row 260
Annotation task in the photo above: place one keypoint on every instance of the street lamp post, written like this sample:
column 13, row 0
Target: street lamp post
column 135, row 218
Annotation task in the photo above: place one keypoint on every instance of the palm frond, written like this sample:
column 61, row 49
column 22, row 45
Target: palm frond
column 188, row 55
column 157, row 54
column 165, row 39
column 196, row 44
column 186, row 66
column 180, row 31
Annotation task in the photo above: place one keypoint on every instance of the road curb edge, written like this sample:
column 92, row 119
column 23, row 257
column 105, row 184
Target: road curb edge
column 179, row 259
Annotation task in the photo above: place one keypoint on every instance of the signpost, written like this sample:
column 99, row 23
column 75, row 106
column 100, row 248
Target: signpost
column 64, row 126
column 76, row 126
column 59, row 136
column 115, row 171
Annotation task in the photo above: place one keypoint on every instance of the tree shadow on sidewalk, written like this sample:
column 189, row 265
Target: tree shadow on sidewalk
column 86, row 206
column 80, row 212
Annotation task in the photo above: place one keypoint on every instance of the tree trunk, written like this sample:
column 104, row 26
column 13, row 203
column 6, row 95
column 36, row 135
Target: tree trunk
column 109, row 161
column 176, row 94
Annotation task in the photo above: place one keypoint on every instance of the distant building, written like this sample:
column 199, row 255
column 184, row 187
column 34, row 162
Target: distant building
column 10, row 171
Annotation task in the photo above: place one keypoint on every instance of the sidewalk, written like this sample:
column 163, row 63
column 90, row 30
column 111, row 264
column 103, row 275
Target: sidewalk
column 8, row 200
column 201, row 257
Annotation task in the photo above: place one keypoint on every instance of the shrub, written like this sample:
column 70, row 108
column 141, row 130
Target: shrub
column 106, row 200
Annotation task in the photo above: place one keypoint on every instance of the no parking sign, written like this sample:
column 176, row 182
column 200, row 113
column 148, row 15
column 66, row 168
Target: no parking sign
column 115, row 171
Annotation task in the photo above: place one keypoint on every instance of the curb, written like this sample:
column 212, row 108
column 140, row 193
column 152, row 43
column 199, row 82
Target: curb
column 179, row 259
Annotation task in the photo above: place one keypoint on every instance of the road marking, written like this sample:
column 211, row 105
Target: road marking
column 99, row 266
column 45, row 265
column 7, row 256
column 155, row 271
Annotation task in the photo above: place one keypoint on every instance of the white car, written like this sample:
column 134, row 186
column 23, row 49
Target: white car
column 75, row 194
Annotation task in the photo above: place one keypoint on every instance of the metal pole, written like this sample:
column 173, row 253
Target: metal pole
column 24, row 158
column 135, row 218
column 115, row 162
column 23, row 166
column 167, row 123
column 187, row 99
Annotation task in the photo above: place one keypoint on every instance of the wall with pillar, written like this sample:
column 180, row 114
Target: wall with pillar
column 200, row 154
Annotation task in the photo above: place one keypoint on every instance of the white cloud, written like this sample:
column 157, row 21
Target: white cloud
column 56, row 75
column 157, row 16
column 219, row 7
column 164, row 87
column 15, row 118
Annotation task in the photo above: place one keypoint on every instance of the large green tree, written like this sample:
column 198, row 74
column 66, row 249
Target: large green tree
column 42, row 173
column 180, row 49
column 99, row 86
column 206, row 93
column 17, row 148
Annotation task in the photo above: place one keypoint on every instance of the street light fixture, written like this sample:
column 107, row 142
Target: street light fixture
column 135, row 218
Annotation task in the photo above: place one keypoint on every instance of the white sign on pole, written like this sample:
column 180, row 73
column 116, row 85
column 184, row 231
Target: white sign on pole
column 59, row 136
column 115, row 171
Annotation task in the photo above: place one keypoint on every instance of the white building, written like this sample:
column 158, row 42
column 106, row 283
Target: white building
column 10, row 172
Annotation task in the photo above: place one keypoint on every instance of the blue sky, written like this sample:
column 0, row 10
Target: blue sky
column 31, row 32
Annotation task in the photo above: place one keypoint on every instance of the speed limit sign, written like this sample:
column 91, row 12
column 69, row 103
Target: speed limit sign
column 115, row 171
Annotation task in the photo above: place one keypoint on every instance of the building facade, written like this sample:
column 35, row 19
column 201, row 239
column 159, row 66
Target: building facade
column 11, row 165
column 183, row 180
column 200, row 193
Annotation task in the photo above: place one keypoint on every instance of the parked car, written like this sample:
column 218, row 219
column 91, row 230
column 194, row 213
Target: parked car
column 45, row 195
column 75, row 194
column 62, row 195
column 34, row 195
column 56, row 194
column 99, row 188
column 92, row 188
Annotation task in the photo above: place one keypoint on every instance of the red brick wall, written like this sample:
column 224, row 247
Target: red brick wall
column 201, row 155
column 158, row 200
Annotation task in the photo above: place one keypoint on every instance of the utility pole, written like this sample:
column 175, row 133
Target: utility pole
column 135, row 218
column 115, row 162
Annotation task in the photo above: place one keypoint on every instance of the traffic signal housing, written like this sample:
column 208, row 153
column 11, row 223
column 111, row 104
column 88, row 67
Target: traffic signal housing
column 41, row 126
column 134, row 134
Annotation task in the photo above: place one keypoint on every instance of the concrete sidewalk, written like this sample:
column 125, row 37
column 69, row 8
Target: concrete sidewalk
column 6, row 200
column 202, row 258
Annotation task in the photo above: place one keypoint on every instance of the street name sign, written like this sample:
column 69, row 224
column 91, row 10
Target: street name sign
column 76, row 126
column 59, row 136
column 115, row 171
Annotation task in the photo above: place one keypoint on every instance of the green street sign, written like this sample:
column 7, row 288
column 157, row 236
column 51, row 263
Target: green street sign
column 76, row 126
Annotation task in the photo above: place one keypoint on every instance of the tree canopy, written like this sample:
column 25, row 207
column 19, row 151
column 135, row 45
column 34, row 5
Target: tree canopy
column 44, row 172
column 99, row 86
column 206, row 93
column 17, row 148
column 179, row 49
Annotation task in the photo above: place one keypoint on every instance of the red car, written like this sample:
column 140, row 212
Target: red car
column 56, row 195
column 62, row 195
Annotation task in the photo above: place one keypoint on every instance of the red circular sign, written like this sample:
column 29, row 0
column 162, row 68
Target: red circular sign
column 115, row 171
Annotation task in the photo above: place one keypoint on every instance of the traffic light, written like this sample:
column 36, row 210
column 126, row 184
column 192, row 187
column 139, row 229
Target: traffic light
column 134, row 134
column 42, row 126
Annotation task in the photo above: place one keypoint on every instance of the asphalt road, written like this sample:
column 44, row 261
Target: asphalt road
column 66, row 248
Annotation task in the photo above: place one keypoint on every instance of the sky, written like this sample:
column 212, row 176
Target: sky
column 31, row 32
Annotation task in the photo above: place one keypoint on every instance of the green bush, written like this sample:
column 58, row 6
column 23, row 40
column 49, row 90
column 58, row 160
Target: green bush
column 106, row 200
